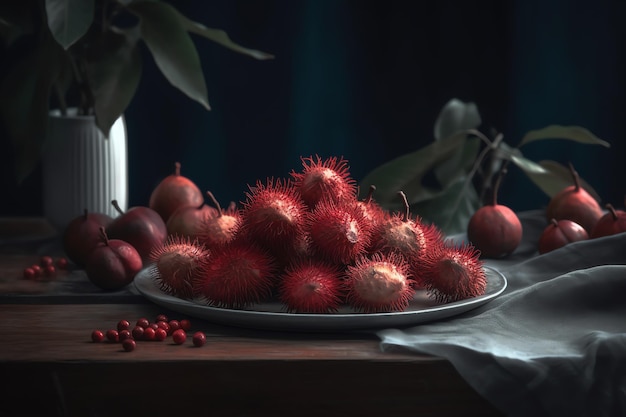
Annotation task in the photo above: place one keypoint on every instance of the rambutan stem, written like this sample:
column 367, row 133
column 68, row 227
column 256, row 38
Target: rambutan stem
column 575, row 176
column 370, row 194
column 405, row 217
column 216, row 203
column 177, row 168
column 117, row 206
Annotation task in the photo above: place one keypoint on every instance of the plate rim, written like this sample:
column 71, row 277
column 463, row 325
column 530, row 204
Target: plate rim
column 145, row 284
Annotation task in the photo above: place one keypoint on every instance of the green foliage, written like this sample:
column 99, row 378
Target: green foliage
column 460, row 171
column 77, row 45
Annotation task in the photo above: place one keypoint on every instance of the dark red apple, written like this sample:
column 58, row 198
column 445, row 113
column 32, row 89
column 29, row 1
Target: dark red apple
column 187, row 221
column 173, row 192
column 82, row 235
column 560, row 233
column 613, row 222
column 140, row 226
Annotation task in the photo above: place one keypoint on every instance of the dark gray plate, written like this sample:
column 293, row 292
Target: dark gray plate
column 272, row 315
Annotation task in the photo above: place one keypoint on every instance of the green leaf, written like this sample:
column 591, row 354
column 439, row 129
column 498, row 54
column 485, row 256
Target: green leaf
column 459, row 163
column 113, row 68
column 220, row 37
column 172, row 48
column 574, row 133
column 550, row 176
column 29, row 81
column 69, row 20
column 455, row 116
column 449, row 217
column 406, row 172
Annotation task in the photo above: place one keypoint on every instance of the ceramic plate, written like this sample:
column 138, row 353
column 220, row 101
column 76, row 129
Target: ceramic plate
column 272, row 315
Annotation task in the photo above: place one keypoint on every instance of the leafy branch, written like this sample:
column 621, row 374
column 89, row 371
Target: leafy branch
column 464, row 163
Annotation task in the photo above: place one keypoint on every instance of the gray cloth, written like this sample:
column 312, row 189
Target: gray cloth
column 554, row 343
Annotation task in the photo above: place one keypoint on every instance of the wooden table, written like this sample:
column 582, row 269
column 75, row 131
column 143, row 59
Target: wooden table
column 50, row 366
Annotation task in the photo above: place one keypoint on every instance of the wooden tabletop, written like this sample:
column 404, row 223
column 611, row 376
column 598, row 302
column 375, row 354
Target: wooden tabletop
column 51, row 366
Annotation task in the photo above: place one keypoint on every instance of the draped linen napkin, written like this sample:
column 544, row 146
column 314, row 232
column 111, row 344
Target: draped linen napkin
column 554, row 343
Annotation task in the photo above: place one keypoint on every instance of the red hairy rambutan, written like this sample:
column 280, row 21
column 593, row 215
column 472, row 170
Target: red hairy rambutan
column 236, row 276
column 324, row 179
column 452, row 273
column 176, row 264
column 407, row 235
column 311, row 287
column 373, row 213
column 380, row 283
column 221, row 228
column 338, row 232
column 273, row 214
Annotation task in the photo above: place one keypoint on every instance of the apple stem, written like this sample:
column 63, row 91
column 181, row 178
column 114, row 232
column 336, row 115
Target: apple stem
column 117, row 206
column 85, row 214
column 177, row 169
column 104, row 236
column 405, row 217
column 575, row 176
column 216, row 203
column 496, row 186
column 554, row 222
column 611, row 210
column 370, row 193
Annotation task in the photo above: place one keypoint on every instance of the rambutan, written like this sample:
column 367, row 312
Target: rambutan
column 408, row 235
column 380, row 283
column 373, row 213
column 219, row 229
column 236, row 276
column 338, row 231
column 311, row 287
column 273, row 214
column 453, row 273
column 324, row 179
column 177, row 263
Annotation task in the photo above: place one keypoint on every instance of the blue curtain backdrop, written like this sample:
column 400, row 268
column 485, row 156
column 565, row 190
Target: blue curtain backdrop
column 366, row 80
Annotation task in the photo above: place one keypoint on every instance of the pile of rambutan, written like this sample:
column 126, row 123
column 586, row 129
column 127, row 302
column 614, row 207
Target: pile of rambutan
column 308, row 241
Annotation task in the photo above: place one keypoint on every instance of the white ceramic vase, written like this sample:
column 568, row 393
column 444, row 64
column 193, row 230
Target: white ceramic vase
column 82, row 168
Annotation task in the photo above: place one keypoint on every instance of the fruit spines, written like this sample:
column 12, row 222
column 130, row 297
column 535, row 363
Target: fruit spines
column 308, row 286
column 322, row 179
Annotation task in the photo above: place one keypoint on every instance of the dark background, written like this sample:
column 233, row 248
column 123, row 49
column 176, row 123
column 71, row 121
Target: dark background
column 366, row 80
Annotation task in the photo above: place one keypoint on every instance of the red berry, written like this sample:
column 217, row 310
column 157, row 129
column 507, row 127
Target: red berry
column 164, row 325
column 125, row 334
column 179, row 336
column 62, row 263
column 29, row 273
column 185, row 325
column 143, row 322
column 129, row 345
column 174, row 325
column 113, row 335
column 138, row 332
column 37, row 269
column 160, row 334
column 161, row 317
column 123, row 325
column 149, row 333
column 45, row 261
column 49, row 270
column 199, row 339
column 97, row 336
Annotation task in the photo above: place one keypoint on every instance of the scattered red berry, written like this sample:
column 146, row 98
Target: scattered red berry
column 153, row 325
column 185, row 325
column 46, row 261
column 125, row 334
column 143, row 322
column 49, row 270
column 137, row 332
column 161, row 317
column 123, row 325
column 174, row 325
column 179, row 336
column 129, row 345
column 62, row 263
column 199, row 339
column 37, row 269
column 29, row 273
column 149, row 333
column 160, row 334
column 113, row 335
column 97, row 336
column 164, row 325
